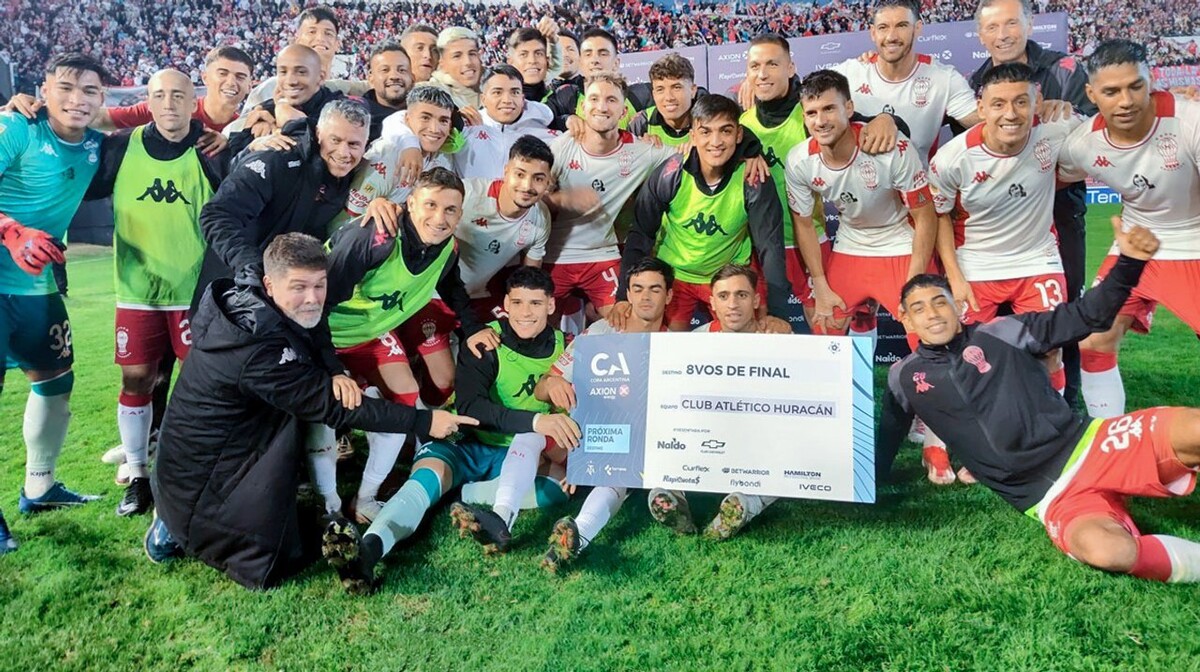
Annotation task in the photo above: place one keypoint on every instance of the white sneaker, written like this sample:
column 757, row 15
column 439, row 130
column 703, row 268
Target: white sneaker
column 916, row 432
column 114, row 455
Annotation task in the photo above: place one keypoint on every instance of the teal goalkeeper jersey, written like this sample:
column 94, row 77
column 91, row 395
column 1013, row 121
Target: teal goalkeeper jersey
column 42, row 181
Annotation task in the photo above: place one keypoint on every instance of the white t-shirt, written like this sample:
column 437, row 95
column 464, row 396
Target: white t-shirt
column 590, row 237
column 378, row 176
column 873, row 194
column 931, row 92
column 1004, row 230
column 1157, row 178
column 488, row 241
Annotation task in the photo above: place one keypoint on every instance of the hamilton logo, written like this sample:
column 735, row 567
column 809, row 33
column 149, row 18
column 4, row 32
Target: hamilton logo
column 707, row 227
column 527, row 387
column 393, row 301
column 157, row 193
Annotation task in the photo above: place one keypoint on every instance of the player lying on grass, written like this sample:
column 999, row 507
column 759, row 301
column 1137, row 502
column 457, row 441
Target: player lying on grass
column 983, row 388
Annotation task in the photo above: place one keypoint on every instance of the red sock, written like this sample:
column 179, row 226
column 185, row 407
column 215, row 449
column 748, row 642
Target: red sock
column 406, row 398
column 135, row 400
column 1058, row 380
column 1094, row 361
column 1152, row 562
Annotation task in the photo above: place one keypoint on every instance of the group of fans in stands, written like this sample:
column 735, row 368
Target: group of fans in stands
column 410, row 255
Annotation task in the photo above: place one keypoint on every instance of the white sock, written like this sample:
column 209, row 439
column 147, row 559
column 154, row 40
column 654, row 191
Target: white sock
column 1103, row 392
column 320, row 442
column 45, row 432
column 574, row 323
column 873, row 334
column 933, row 440
column 517, row 474
column 1185, row 558
column 756, row 504
column 601, row 505
column 384, row 449
column 133, row 424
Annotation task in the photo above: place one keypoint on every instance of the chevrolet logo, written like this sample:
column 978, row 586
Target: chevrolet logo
column 713, row 443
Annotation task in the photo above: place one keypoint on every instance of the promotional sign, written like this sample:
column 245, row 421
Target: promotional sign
column 698, row 412
column 636, row 66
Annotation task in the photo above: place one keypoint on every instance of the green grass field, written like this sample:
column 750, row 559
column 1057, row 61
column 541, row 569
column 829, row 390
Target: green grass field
column 930, row 579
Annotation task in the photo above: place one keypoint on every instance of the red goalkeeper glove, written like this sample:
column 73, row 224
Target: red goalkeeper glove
column 31, row 249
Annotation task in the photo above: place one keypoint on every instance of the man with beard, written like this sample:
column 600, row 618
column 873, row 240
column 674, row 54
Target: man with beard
column 300, row 94
column 391, row 79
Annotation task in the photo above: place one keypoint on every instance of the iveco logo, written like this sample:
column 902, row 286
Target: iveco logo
column 830, row 46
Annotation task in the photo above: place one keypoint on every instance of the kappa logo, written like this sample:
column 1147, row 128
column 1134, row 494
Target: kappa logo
column 160, row 194
column 1102, row 162
column 981, row 177
column 483, row 135
column 706, row 227
column 919, row 381
column 380, row 167
column 258, row 168
column 527, row 387
column 865, row 89
column 902, row 145
column 393, row 301
column 771, row 157
column 289, row 355
column 481, row 222
column 575, row 165
column 818, row 182
column 48, row 149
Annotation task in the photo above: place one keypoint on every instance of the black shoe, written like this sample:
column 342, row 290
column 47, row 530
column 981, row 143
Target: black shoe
column 564, row 545
column 484, row 525
column 341, row 546
column 138, row 498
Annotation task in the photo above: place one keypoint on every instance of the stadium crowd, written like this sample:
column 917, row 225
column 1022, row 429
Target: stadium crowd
column 138, row 37
column 415, row 255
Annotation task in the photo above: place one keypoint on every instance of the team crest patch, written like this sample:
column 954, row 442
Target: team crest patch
column 974, row 356
column 921, row 87
column 1168, row 148
column 122, row 342
column 868, row 174
column 919, row 381
column 429, row 330
column 1041, row 152
column 625, row 162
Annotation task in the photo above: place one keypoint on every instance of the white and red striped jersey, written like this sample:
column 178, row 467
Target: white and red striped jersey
column 1002, row 205
column 1157, row 177
column 873, row 194
column 488, row 241
column 930, row 93
column 614, row 177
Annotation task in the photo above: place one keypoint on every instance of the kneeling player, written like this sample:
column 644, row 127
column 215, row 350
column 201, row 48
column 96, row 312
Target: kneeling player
column 735, row 304
column 982, row 387
column 649, row 292
column 499, row 385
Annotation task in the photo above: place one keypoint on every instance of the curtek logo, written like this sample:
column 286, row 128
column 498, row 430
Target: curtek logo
column 696, row 468
column 694, row 480
column 673, row 444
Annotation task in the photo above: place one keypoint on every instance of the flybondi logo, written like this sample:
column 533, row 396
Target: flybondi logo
column 603, row 365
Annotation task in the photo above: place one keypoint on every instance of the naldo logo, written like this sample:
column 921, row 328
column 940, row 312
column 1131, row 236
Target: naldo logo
column 604, row 365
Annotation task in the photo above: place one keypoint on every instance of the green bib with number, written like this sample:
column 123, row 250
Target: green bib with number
column 157, row 244
column 517, row 376
column 388, row 295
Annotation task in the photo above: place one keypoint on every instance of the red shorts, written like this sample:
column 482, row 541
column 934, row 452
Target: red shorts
column 858, row 279
column 597, row 280
column 798, row 273
column 488, row 309
column 143, row 336
column 425, row 333
column 1171, row 283
column 1026, row 295
column 1129, row 456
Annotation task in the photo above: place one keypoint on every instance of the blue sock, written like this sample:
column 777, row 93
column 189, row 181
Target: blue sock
column 402, row 514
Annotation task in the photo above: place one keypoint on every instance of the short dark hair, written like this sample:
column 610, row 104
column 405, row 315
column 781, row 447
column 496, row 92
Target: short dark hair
column 771, row 38
column 430, row 94
column 527, row 34
column 1026, row 9
column 1007, row 73
column 672, row 66
column 571, row 36
column 530, row 277
column 77, row 62
column 531, row 148
column 732, row 271
column 294, row 250
column 439, row 178
column 921, row 281
column 816, row 83
column 913, row 6
column 651, row 265
column 596, row 31
column 713, row 105
column 503, row 70
column 388, row 47
column 317, row 15
column 1116, row 52
column 230, row 54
